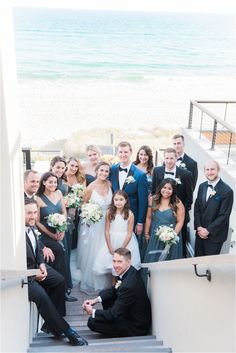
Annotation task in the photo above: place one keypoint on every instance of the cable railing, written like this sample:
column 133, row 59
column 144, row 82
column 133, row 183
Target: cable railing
column 220, row 132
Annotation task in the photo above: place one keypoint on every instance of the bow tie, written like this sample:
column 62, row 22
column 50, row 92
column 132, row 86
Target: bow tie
column 171, row 173
column 123, row 169
column 210, row 186
column 180, row 159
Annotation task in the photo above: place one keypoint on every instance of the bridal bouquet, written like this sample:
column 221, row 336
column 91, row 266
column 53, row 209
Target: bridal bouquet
column 57, row 221
column 91, row 213
column 168, row 236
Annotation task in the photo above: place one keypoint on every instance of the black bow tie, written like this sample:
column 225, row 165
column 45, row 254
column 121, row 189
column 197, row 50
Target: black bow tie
column 171, row 173
column 180, row 159
column 210, row 186
column 123, row 169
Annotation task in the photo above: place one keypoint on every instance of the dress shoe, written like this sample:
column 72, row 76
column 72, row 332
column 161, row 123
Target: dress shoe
column 69, row 298
column 76, row 340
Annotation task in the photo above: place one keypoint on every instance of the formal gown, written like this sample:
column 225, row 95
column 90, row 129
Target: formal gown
column 56, row 246
column 160, row 218
column 118, row 233
column 91, row 240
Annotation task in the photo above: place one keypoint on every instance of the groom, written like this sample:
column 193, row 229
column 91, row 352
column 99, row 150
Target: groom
column 126, row 307
column 126, row 176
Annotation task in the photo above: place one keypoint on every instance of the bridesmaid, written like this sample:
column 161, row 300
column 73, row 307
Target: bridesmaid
column 144, row 161
column 94, row 157
column 165, row 208
column 50, row 200
column 75, row 175
column 58, row 167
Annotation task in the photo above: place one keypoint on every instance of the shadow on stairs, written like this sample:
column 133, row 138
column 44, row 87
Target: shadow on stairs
column 77, row 318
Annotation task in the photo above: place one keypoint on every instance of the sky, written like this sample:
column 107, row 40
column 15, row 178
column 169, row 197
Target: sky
column 204, row 6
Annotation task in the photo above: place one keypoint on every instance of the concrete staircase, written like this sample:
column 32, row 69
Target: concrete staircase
column 77, row 318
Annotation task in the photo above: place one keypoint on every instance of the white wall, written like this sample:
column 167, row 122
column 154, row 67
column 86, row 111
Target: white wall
column 14, row 299
column 189, row 313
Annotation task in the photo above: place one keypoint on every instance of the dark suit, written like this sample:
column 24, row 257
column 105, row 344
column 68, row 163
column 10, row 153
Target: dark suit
column 190, row 165
column 184, row 190
column 49, row 294
column 213, row 215
column 137, row 191
column 127, row 309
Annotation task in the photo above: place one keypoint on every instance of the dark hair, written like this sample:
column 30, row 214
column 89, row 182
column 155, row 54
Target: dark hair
column 80, row 177
column 102, row 163
column 177, row 136
column 173, row 199
column 45, row 177
column 123, row 252
column 54, row 161
column 148, row 151
column 112, row 208
column 30, row 202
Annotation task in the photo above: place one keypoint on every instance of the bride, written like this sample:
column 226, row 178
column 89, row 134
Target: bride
column 92, row 238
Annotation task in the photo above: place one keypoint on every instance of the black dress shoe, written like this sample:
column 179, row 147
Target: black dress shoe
column 77, row 340
column 69, row 298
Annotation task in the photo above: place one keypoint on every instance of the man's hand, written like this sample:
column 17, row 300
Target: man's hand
column 88, row 308
column 202, row 232
column 138, row 229
column 90, row 302
column 43, row 273
column 60, row 235
column 48, row 254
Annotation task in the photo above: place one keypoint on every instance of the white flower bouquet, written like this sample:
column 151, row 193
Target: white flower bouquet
column 57, row 221
column 74, row 198
column 91, row 213
column 168, row 236
column 78, row 189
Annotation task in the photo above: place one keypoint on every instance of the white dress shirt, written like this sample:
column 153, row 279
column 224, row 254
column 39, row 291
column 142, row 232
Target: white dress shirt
column 209, row 189
column 31, row 237
column 170, row 175
column 123, row 175
column 178, row 162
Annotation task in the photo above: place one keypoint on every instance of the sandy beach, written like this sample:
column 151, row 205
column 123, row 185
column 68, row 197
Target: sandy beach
column 53, row 110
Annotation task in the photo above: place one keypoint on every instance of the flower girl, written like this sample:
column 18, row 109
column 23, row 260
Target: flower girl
column 118, row 233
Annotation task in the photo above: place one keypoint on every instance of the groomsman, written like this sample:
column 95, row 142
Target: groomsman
column 47, row 289
column 31, row 183
column 212, row 210
column 126, row 176
column 183, row 160
column 184, row 182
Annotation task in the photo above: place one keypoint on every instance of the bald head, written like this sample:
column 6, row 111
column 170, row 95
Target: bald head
column 212, row 169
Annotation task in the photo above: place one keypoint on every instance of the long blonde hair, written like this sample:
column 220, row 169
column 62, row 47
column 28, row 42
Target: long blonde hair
column 80, row 176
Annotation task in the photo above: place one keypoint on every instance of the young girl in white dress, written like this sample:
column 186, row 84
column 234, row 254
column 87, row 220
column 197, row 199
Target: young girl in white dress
column 118, row 233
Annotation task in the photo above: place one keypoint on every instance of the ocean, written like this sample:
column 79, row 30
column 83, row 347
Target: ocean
column 54, row 44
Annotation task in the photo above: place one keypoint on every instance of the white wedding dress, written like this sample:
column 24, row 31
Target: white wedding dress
column 118, row 233
column 91, row 240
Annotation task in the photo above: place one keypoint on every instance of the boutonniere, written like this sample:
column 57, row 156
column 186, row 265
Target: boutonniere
column 129, row 180
column 178, row 181
column 212, row 193
column 118, row 283
column 183, row 165
column 37, row 233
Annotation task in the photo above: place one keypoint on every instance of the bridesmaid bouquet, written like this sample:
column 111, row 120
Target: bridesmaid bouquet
column 57, row 221
column 74, row 198
column 168, row 236
column 91, row 213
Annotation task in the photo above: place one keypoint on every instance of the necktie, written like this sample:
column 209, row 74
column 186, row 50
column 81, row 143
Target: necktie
column 180, row 159
column 123, row 169
column 171, row 173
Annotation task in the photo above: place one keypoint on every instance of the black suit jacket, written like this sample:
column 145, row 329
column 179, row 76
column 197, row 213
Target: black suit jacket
column 131, row 304
column 214, row 213
column 34, row 260
column 184, row 190
column 191, row 165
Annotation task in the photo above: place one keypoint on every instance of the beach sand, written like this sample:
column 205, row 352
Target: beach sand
column 54, row 110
